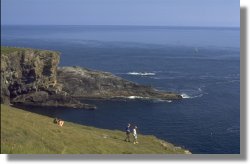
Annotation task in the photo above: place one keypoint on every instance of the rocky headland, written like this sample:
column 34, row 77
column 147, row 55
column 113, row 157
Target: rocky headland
column 32, row 77
column 90, row 84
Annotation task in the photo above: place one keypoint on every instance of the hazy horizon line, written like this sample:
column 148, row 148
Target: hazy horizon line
column 196, row 26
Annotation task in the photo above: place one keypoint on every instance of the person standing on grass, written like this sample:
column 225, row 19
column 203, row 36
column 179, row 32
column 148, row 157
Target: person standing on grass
column 127, row 139
column 135, row 135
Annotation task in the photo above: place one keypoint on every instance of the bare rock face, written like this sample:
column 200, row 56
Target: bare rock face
column 27, row 70
column 89, row 84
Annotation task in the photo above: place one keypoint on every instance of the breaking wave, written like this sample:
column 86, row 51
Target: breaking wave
column 141, row 73
column 186, row 96
column 190, row 94
column 136, row 97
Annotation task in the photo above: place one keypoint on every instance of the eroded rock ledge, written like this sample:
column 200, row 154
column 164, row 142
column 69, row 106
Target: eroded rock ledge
column 32, row 77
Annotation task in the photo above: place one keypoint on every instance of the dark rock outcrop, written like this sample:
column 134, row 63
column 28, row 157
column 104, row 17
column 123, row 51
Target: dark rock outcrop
column 29, row 76
column 43, row 99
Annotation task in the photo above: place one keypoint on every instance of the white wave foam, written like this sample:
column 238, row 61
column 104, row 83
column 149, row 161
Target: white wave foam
column 233, row 129
column 192, row 93
column 141, row 73
column 160, row 100
column 186, row 96
column 147, row 98
column 135, row 97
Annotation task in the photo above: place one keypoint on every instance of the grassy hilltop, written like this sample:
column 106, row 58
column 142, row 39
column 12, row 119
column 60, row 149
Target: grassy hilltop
column 24, row 132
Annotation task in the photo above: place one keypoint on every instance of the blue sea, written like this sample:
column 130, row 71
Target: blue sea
column 202, row 64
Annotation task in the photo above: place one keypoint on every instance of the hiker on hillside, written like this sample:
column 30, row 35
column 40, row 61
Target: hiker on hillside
column 135, row 135
column 127, row 139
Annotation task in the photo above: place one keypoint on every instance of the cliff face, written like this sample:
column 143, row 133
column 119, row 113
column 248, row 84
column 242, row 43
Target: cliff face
column 90, row 84
column 29, row 77
column 27, row 70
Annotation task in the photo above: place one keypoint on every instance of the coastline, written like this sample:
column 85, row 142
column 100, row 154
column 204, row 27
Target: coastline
column 31, row 77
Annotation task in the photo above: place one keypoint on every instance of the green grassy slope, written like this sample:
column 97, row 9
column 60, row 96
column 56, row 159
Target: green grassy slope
column 23, row 132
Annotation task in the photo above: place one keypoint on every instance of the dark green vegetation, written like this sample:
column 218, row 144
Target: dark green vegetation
column 23, row 132
column 7, row 50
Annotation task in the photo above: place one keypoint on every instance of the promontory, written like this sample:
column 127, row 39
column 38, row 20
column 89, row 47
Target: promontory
column 32, row 77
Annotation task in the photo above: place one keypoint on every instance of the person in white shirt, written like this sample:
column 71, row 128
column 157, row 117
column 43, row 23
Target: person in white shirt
column 135, row 135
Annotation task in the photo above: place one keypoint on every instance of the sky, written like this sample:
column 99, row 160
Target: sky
column 219, row 13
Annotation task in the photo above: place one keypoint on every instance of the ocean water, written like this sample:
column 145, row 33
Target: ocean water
column 202, row 64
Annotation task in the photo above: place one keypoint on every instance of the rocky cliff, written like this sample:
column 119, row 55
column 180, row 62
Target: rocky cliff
column 32, row 77
column 29, row 77
column 27, row 70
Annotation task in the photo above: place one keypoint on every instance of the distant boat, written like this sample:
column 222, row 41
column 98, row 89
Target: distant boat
column 196, row 50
